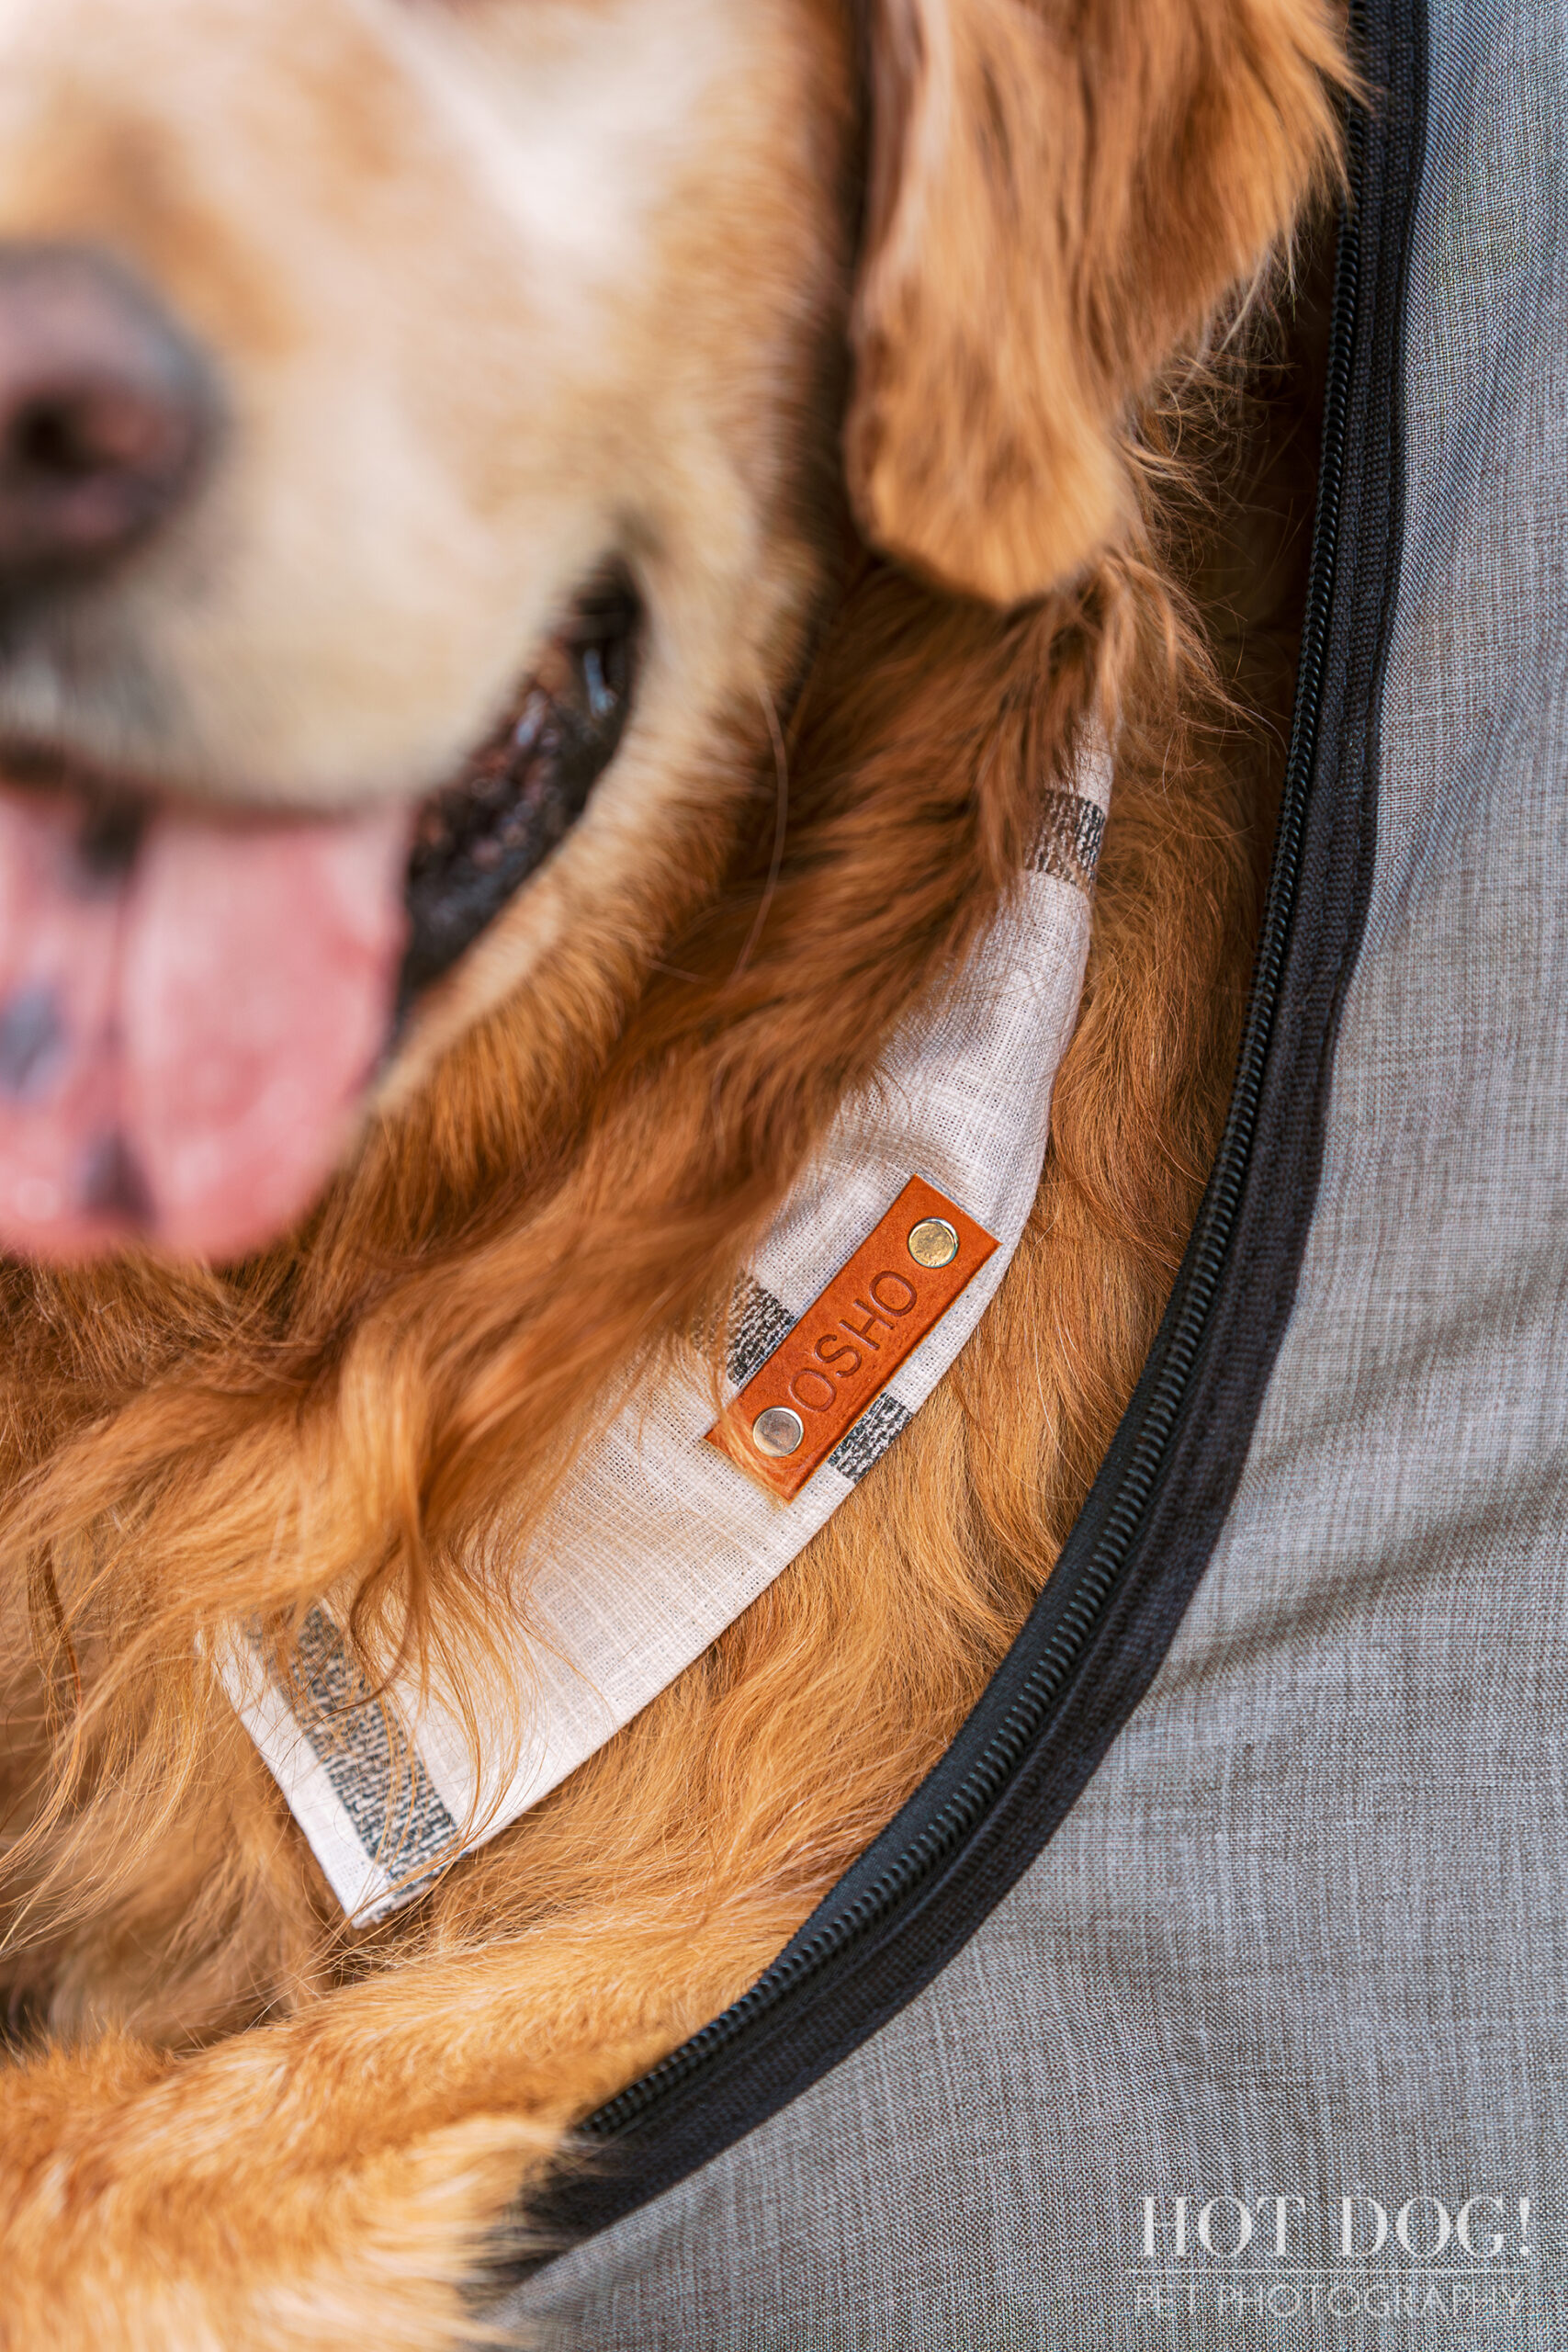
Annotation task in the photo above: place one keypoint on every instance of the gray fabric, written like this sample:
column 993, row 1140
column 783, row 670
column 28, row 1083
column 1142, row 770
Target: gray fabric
column 1306, row 1932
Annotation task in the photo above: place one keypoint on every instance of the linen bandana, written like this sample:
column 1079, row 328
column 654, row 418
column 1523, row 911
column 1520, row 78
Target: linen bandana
column 657, row 1542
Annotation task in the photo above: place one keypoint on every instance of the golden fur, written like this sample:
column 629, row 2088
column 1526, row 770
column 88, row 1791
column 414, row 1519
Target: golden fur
column 995, row 242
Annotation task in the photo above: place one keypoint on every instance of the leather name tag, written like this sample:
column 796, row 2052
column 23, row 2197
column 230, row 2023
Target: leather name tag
column 850, row 1341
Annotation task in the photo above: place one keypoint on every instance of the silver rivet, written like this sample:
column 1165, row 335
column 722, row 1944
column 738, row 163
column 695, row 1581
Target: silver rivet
column 777, row 1432
column 933, row 1242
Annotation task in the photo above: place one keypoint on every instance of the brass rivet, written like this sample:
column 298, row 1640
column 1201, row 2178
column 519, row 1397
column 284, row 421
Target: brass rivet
column 777, row 1432
column 933, row 1242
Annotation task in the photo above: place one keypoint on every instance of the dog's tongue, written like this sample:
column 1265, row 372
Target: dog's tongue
column 185, row 1030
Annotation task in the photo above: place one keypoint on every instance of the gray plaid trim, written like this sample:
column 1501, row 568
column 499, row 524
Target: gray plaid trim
column 1068, row 841
column 758, row 1322
column 869, row 1438
column 353, row 1735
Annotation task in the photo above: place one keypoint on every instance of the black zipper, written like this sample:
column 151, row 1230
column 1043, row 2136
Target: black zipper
column 1139, row 1549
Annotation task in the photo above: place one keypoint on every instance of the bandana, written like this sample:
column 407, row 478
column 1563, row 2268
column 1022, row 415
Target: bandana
column 659, row 1541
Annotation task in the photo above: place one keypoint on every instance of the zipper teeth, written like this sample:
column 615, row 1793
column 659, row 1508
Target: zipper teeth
column 1020, row 1726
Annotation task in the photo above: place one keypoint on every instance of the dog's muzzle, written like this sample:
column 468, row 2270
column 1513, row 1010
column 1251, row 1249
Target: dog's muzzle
column 194, row 1001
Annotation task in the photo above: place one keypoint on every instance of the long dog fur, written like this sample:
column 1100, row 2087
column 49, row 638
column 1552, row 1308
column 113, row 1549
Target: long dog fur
column 237, row 2123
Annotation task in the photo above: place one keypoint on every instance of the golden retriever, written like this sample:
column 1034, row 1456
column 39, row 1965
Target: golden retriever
column 458, row 459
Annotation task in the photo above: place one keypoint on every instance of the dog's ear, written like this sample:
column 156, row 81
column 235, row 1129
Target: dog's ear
column 1062, row 193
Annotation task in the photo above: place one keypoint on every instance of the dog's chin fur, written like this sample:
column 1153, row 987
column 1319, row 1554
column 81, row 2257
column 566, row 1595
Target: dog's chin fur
column 262, row 2128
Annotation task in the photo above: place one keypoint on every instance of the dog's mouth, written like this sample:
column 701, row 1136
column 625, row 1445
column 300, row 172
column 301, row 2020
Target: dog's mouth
column 520, row 794
column 193, row 1003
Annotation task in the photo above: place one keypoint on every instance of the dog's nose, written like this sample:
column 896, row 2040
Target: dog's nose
column 107, row 411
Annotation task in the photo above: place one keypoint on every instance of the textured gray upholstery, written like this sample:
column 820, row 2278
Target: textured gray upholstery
column 1307, row 1931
